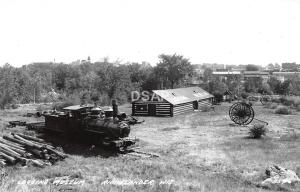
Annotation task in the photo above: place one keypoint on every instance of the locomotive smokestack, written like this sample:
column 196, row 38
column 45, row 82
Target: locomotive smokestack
column 115, row 108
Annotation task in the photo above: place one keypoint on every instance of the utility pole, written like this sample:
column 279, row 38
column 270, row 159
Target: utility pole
column 34, row 95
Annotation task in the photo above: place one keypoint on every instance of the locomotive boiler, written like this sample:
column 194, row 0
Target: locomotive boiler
column 92, row 123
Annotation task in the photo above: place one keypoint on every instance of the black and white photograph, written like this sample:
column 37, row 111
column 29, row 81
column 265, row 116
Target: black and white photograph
column 149, row 95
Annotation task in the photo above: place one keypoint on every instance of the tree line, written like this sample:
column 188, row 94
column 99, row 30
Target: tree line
column 100, row 82
column 89, row 82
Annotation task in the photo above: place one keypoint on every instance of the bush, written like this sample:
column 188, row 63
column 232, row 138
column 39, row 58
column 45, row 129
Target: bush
column 290, row 101
column 14, row 106
column 284, row 110
column 297, row 102
column 244, row 95
column 257, row 131
column 273, row 105
column 5, row 100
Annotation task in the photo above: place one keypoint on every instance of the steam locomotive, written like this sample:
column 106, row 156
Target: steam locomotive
column 88, row 121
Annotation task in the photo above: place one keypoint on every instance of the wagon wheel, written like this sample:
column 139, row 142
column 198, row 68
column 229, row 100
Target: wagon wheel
column 241, row 113
column 265, row 99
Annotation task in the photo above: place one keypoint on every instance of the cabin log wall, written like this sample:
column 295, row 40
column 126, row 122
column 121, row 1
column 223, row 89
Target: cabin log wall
column 141, row 108
column 167, row 109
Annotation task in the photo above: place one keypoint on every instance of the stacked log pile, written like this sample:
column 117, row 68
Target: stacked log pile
column 24, row 149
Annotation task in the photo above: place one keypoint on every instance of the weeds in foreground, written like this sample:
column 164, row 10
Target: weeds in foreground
column 257, row 131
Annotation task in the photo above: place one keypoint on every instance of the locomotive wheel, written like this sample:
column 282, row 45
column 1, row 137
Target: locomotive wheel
column 265, row 99
column 241, row 113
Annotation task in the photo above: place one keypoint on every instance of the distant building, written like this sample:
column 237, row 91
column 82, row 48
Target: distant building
column 257, row 74
column 239, row 68
column 242, row 75
column 272, row 67
column 224, row 75
column 213, row 66
column 289, row 67
column 282, row 76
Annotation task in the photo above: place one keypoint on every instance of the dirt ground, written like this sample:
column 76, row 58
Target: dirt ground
column 198, row 151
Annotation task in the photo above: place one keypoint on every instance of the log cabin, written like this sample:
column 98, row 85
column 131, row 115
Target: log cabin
column 172, row 102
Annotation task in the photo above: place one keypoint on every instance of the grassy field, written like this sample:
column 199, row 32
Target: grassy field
column 199, row 151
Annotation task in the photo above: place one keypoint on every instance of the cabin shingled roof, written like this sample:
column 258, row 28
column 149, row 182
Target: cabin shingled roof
column 183, row 95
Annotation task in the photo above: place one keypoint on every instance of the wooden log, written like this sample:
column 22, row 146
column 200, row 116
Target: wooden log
column 36, row 162
column 46, row 156
column 17, row 157
column 31, row 138
column 36, row 152
column 22, row 152
column 8, row 158
column 29, row 155
column 43, row 144
column 26, row 142
column 13, row 140
column 61, row 155
column 13, row 144
column 6, row 150
column 2, row 162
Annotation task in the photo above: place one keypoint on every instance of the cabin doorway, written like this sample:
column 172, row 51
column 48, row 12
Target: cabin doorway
column 152, row 109
column 195, row 105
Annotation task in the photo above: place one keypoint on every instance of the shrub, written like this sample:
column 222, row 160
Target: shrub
column 297, row 102
column 284, row 110
column 244, row 95
column 298, row 108
column 276, row 100
column 14, row 106
column 5, row 100
column 257, row 131
column 273, row 106
column 289, row 101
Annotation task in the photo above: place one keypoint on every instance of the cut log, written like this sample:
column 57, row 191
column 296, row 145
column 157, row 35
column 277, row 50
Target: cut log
column 61, row 155
column 13, row 140
column 20, row 148
column 31, row 138
column 26, row 142
column 4, row 148
column 46, row 156
column 36, row 162
column 17, row 157
column 12, row 144
column 8, row 158
column 2, row 162
column 36, row 152
column 21, row 152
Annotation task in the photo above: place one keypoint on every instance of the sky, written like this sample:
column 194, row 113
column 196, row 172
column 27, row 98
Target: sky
column 205, row 31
